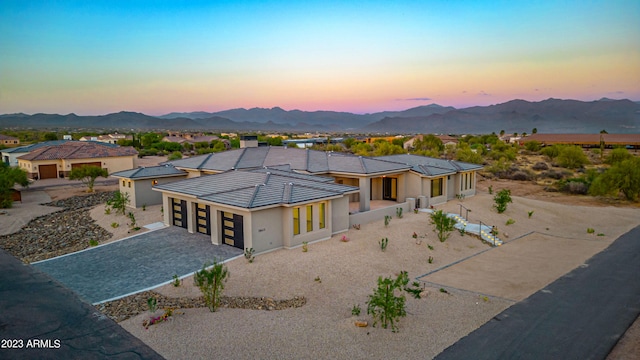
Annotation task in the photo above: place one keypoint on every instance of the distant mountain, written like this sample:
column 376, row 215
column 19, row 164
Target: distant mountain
column 548, row 116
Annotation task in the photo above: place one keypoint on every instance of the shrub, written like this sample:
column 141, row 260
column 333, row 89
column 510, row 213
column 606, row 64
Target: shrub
column 510, row 221
column 387, row 220
column 540, row 166
column 617, row 155
column 93, row 242
column 572, row 157
column 355, row 310
column 383, row 243
column 399, row 212
column 386, row 305
column 621, row 177
column 211, row 283
column 501, row 199
column 305, row 246
column 88, row 175
column 442, row 225
column 119, row 202
column 114, row 225
column 522, row 176
column 551, row 151
column 176, row 281
column 248, row 254
column 533, row 146
column 552, row 174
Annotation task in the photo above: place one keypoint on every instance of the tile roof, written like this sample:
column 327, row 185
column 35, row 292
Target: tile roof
column 258, row 188
column 78, row 150
column 150, row 172
column 31, row 147
column 311, row 161
column 431, row 166
column 7, row 137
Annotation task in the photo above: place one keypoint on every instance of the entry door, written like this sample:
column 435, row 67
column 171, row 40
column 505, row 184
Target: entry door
column 232, row 230
column 179, row 211
column 203, row 219
column 389, row 188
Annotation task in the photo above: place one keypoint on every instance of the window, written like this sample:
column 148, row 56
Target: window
column 296, row 221
column 129, row 184
column 322, row 215
column 309, row 218
column 124, row 183
column 436, row 187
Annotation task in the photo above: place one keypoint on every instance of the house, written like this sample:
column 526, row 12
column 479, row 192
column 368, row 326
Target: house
column 10, row 156
column 631, row 141
column 7, row 140
column 53, row 161
column 224, row 193
column 263, row 209
column 138, row 183
column 109, row 138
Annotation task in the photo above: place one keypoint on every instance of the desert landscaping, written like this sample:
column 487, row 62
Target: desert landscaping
column 466, row 283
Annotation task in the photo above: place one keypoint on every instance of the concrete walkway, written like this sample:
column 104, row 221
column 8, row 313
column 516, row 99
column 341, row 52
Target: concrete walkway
column 36, row 307
column 134, row 264
column 582, row 315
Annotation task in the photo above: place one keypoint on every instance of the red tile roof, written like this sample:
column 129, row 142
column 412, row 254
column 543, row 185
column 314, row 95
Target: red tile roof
column 78, row 150
column 7, row 137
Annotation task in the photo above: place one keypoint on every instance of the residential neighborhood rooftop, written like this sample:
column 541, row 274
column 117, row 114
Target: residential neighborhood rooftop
column 78, row 150
column 149, row 172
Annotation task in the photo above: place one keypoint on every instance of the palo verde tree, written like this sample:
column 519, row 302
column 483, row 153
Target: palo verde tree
column 442, row 224
column 9, row 176
column 88, row 175
column 501, row 199
column 623, row 176
column 211, row 282
column 387, row 303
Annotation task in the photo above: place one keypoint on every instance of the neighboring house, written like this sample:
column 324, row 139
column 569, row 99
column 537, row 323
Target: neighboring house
column 109, row 139
column 55, row 161
column 263, row 209
column 9, row 140
column 10, row 156
column 139, row 183
column 224, row 193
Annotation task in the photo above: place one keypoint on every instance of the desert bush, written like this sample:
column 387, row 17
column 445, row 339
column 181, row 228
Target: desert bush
column 617, row 155
column 622, row 177
column 572, row 157
column 501, row 199
column 540, row 166
column 442, row 225
column 119, row 202
column 211, row 283
column 533, row 146
column 522, row 176
column 387, row 303
column 552, row 174
column 88, row 175
column 551, row 151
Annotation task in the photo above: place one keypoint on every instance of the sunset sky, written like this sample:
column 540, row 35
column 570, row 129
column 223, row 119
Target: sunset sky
column 155, row 57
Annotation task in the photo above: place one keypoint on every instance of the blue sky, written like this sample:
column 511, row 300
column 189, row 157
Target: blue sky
column 95, row 57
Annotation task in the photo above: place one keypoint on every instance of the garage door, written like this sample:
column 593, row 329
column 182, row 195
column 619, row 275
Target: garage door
column 232, row 230
column 48, row 171
column 179, row 212
column 203, row 219
column 78, row 165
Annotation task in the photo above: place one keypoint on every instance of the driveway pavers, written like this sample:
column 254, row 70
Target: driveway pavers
column 134, row 264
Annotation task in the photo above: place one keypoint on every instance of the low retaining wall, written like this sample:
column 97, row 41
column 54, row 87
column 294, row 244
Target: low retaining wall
column 379, row 214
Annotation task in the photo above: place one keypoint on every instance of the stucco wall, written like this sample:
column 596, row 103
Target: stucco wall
column 267, row 232
column 339, row 211
column 144, row 193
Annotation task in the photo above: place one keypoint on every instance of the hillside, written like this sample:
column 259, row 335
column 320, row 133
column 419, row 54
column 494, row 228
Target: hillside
column 548, row 116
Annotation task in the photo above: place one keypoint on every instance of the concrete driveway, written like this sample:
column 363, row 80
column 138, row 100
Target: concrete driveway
column 134, row 264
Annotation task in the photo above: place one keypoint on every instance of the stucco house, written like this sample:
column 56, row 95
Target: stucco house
column 109, row 138
column 10, row 156
column 139, row 183
column 223, row 193
column 55, row 161
column 9, row 140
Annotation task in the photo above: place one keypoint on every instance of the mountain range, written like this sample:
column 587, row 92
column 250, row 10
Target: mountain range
column 547, row 116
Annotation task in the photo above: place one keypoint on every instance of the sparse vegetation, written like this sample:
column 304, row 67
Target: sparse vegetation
column 387, row 220
column 305, row 246
column 9, row 176
column 590, row 231
column 93, row 242
column 248, row 254
column 530, row 213
column 386, row 305
column 119, row 202
column 355, row 310
column 430, row 260
column 383, row 243
column 510, row 221
column 399, row 212
column 176, row 281
column 114, row 225
column 88, row 175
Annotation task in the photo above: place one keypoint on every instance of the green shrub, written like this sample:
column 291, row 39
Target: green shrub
column 621, row 177
column 572, row 157
column 533, row 146
column 119, row 202
column 355, row 310
column 617, row 156
column 501, row 199
column 386, row 305
column 442, row 224
column 93, row 242
column 510, row 221
column 383, row 243
column 211, row 283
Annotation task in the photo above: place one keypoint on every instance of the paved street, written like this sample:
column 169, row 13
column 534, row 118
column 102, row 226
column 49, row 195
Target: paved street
column 579, row 316
column 134, row 264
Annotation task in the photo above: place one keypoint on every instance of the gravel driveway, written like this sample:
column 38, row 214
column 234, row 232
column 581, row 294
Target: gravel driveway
column 134, row 264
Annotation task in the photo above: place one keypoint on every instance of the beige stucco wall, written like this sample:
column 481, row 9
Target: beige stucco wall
column 266, row 229
column 339, row 211
column 413, row 185
column 31, row 167
column 112, row 164
column 141, row 191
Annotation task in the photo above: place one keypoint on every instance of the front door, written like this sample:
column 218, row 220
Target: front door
column 203, row 219
column 389, row 188
column 232, row 230
column 179, row 211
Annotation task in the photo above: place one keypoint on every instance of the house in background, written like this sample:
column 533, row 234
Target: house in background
column 447, row 140
column 53, row 161
column 7, row 140
column 311, row 194
column 10, row 156
column 139, row 183
column 108, row 139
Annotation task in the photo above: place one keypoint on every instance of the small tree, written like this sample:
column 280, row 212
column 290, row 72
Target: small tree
column 119, row 202
column 442, row 225
column 385, row 305
column 622, row 177
column 88, row 175
column 211, row 283
column 9, row 176
column 501, row 199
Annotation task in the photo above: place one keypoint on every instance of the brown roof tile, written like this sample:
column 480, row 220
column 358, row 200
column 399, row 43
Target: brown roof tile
column 78, row 150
